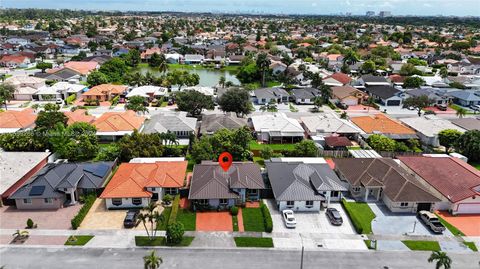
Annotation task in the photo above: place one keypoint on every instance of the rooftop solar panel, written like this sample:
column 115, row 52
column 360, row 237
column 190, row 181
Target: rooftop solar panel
column 37, row 190
column 99, row 170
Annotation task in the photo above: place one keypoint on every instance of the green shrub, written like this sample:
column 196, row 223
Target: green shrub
column 267, row 218
column 115, row 100
column 175, row 233
column 30, row 223
column 234, row 210
column 77, row 220
column 175, row 206
column 70, row 99
column 167, row 199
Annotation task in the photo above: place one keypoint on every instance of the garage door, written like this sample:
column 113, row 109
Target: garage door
column 393, row 103
column 468, row 209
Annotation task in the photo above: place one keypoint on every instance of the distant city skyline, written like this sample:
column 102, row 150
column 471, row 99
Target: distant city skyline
column 320, row 7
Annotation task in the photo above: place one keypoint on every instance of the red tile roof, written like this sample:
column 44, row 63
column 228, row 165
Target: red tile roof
column 131, row 179
column 337, row 141
column 341, row 77
column 452, row 177
column 119, row 121
column 17, row 119
column 79, row 115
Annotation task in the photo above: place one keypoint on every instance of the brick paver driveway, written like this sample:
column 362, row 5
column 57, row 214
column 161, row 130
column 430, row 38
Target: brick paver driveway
column 214, row 221
column 12, row 218
column 468, row 224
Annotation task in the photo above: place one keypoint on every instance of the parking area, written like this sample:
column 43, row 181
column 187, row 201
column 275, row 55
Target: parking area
column 314, row 222
column 99, row 217
column 12, row 218
column 214, row 221
column 467, row 224
column 388, row 223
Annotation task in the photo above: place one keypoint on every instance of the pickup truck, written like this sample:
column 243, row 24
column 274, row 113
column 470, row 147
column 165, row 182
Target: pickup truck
column 432, row 221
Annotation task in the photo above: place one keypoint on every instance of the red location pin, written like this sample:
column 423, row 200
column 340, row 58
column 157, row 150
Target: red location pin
column 225, row 160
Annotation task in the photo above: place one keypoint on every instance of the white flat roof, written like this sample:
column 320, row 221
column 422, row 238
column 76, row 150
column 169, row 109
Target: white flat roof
column 14, row 165
column 299, row 159
column 363, row 153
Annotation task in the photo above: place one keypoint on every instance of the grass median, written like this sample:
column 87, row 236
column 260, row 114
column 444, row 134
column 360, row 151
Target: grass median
column 144, row 241
column 78, row 240
column 254, row 242
column 422, row 245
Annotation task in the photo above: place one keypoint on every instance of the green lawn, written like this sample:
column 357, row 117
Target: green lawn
column 143, row 241
column 81, row 240
column 369, row 244
column 254, row 145
column 162, row 225
column 253, row 220
column 450, row 227
column 361, row 216
column 476, row 165
column 187, row 218
column 254, row 242
column 422, row 245
column 471, row 245
column 259, row 160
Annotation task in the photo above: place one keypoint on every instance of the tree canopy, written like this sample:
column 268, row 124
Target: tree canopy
column 235, row 100
column 193, row 102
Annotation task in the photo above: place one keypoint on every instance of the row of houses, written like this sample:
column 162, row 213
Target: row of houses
column 406, row 184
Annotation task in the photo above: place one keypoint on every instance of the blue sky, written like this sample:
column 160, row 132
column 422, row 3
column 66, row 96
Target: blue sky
column 397, row 7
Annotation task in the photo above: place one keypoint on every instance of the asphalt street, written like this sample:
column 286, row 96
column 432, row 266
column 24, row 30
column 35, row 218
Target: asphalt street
column 71, row 258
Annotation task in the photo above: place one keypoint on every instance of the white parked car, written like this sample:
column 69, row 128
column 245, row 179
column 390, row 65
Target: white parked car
column 289, row 218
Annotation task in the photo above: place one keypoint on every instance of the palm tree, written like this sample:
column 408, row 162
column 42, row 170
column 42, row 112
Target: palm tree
column 326, row 92
column 152, row 261
column 350, row 58
column 222, row 81
column 163, row 64
column 263, row 64
column 441, row 259
column 461, row 112
column 143, row 219
column 6, row 93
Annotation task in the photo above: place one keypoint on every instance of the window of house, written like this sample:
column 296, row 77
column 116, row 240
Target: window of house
column 203, row 202
column 137, row 201
column 290, row 203
column 356, row 189
column 309, row 203
column 27, row 201
column 223, row 201
column 403, row 204
column 171, row 191
column 253, row 192
column 153, row 189
column 48, row 201
column 116, row 201
column 335, row 193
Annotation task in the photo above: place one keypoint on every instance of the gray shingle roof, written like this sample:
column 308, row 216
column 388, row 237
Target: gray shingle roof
column 383, row 91
column 54, row 177
column 214, row 122
column 162, row 123
column 302, row 182
column 210, row 181
column 270, row 93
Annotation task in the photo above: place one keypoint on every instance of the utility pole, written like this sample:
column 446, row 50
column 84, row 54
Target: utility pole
column 303, row 249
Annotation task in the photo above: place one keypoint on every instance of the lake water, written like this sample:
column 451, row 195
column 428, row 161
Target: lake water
column 208, row 77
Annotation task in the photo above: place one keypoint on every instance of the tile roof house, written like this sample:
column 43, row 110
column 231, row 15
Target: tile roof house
column 211, row 186
column 83, row 68
column 64, row 74
column 304, row 95
column 277, row 128
column 348, row 95
column 136, row 184
column 467, row 123
column 337, row 79
column 79, row 115
column 328, row 124
column 429, row 126
column 178, row 123
column 16, row 168
column 113, row 125
column 104, row 92
column 265, row 95
column 465, row 97
column 214, row 122
column 14, row 61
column 61, row 183
column 375, row 179
column 13, row 121
column 25, row 86
column 337, row 142
column 381, row 124
column 455, row 181
column 385, row 95
column 303, row 185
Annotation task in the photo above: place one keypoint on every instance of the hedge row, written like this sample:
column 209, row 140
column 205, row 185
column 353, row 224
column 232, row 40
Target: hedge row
column 77, row 220
column 267, row 218
column 70, row 99
column 175, row 207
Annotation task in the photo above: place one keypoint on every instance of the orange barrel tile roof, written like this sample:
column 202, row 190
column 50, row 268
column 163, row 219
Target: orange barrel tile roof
column 119, row 121
column 17, row 119
column 379, row 123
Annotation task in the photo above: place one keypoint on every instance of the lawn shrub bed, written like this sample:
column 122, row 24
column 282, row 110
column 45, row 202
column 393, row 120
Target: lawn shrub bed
column 77, row 220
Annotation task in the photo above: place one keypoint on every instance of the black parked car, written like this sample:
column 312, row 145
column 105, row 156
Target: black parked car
column 131, row 218
column 334, row 216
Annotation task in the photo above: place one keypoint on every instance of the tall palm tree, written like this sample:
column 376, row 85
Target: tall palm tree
column 461, row 112
column 152, row 261
column 263, row 64
column 163, row 64
column 441, row 259
column 222, row 81
column 326, row 92
column 143, row 218
column 6, row 93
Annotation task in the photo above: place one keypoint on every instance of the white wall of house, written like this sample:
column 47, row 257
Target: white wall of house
column 300, row 101
column 398, row 207
column 470, row 205
column 126, row 203
column 299, row 206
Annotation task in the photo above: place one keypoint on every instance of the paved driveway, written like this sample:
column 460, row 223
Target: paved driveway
column 214, row 221
column 12, row 218
column 315, row 222
column 389, row 223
